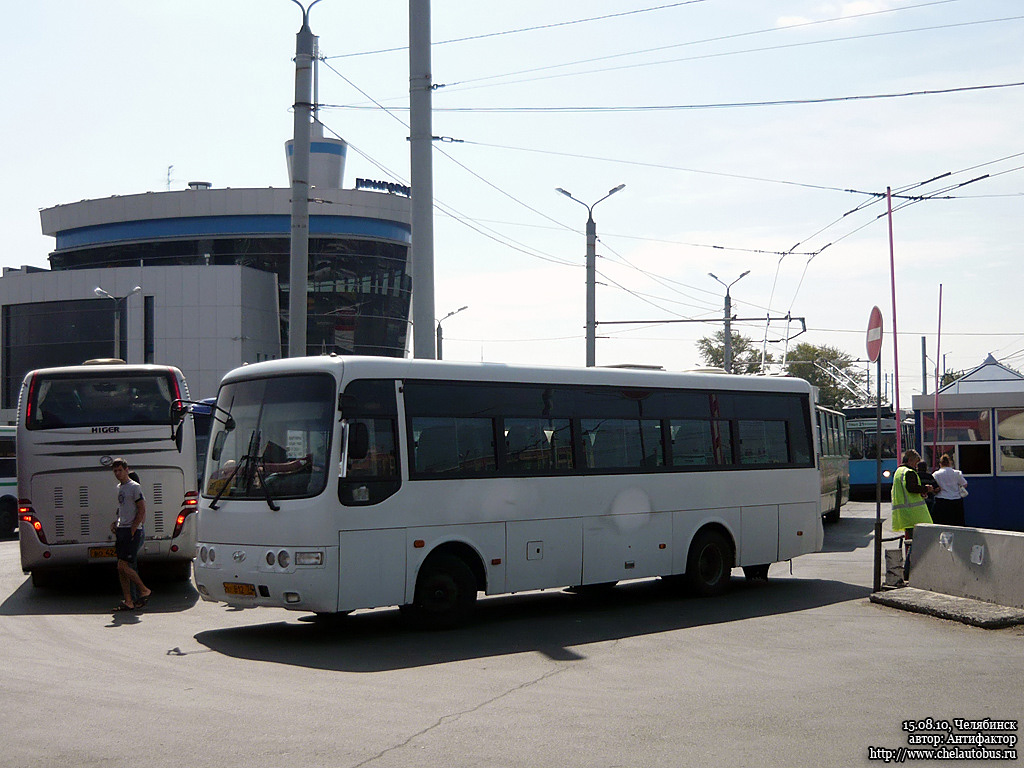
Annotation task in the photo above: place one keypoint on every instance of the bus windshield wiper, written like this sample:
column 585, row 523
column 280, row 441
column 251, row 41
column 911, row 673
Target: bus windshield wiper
column 253, row 465
column 258, row 466
column 227, row 483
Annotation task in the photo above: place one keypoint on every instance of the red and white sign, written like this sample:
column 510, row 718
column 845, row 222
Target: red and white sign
column 875, row 334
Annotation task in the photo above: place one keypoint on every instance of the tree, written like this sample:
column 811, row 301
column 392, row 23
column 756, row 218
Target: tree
column 746, row 355
column 829, row 369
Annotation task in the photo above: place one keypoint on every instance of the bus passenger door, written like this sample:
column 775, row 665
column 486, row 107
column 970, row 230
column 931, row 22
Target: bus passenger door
column 371, row 565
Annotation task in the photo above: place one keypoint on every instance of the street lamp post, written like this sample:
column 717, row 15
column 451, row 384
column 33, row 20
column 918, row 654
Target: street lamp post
column 591, row 272
column 453, row 312
column 727, row 354
column 117, row 314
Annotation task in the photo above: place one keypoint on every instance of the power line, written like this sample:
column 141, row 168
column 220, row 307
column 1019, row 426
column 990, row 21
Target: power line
column 458, row 85
column 711, row 105
column 539, row 27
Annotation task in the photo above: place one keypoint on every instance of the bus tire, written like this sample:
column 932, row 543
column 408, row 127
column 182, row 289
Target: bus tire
column 8, row 516
column 445, row 593
column 832, row 516
column 45, row 578
column 709, row 563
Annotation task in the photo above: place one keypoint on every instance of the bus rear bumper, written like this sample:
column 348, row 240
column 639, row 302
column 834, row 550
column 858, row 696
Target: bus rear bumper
column 35, row 555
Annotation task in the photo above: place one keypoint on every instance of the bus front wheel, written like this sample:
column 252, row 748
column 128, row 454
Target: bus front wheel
column 709, row 563
column 445, row 593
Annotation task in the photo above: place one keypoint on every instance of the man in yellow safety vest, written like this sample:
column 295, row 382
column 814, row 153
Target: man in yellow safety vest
column 908, row 502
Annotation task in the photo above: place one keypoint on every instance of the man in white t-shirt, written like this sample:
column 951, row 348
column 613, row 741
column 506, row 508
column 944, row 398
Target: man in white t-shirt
column 128, row 534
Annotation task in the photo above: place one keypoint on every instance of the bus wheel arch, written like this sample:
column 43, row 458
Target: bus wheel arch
column 710, row 561
column 447, row 586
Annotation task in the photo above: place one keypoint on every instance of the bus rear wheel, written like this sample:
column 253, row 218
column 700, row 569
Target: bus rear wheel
column 832, row 516
column 709, row 563
column 445, row 593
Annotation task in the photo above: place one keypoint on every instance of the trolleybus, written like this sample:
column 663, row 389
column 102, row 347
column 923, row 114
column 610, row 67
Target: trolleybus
column 72, row 423
column 862, row 432
column 339, row 483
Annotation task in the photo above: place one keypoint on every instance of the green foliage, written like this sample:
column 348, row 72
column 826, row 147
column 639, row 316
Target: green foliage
column 831, row 370
column 746, row 356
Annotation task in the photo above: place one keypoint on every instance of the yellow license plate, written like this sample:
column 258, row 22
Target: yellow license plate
column 102, row 552
column 239, row 590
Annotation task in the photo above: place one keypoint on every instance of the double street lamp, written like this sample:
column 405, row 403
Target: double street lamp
column 591, row 271
column 727, row 355
column 117, row 314
column 453, row 312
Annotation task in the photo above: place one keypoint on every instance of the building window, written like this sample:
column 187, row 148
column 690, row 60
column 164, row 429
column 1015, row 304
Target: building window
column 52, row 333
column 148, row 329
column 1010, row 441
column 965, row 435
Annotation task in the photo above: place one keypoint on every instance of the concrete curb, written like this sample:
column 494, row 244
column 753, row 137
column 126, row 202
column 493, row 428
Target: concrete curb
column 977, row 613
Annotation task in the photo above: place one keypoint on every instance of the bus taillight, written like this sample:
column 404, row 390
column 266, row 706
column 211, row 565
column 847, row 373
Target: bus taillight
column 188, row 507
column 27, row 515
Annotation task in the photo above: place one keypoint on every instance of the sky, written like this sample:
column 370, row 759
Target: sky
column 750, row 135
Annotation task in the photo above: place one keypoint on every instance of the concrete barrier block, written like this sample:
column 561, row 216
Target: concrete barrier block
column 976, row 563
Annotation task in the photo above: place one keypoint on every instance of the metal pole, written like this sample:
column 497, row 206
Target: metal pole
column 924, row 365
column 439, row 339
column 298, row 268
column 878, row 479
column 895, row 337
column 591, row 289
column 421, row 166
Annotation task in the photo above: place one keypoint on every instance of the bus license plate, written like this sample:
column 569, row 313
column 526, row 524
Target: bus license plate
column 102, row 552
column 240, row 590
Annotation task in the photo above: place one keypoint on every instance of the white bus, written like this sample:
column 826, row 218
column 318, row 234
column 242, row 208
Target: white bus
column 340, row 483
column 72, row 423
column 8, row 481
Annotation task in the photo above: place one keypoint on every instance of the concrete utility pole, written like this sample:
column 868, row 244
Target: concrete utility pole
column 591, row 272
column 421, row 165
column 727, row 354
column 298, row 272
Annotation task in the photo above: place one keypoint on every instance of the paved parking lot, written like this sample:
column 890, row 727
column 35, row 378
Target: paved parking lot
column 800, row 671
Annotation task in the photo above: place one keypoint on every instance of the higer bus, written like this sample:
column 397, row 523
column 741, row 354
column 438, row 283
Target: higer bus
column 340, row 483
column 72, row 423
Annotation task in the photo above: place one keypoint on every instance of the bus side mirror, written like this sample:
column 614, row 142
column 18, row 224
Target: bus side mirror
column 178, row 411
column 358, row 441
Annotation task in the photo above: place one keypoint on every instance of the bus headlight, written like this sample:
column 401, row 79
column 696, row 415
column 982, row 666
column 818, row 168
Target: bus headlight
column 203, row 554
column 284, row 559
column 271, row 559
column 309, row 558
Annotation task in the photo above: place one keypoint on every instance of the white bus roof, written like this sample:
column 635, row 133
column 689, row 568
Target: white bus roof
column 399, row 368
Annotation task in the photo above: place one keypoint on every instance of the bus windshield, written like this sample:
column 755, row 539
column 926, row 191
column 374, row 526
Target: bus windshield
column 279, row 438
column 140, row 398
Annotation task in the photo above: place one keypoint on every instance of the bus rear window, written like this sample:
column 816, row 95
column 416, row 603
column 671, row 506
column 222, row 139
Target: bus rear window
column 110, row 400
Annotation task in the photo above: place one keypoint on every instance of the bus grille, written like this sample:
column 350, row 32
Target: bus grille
column 58, row 497
column 59, row 526
column 83, row 496
column 85, row 525
column 158, row 521
column 158, row 493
